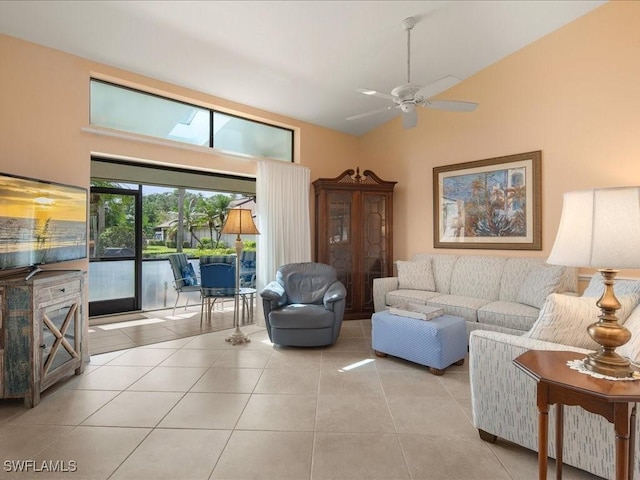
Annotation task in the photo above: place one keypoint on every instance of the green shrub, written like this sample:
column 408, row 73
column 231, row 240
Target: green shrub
column 118, row 236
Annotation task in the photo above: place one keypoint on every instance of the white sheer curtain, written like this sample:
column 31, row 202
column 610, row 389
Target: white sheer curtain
column 282, row 191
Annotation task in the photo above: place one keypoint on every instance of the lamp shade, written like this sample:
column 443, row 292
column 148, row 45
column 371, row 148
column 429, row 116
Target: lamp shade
column 240, row 222
column 599, row 228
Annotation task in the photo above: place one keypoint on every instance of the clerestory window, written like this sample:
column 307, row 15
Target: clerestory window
column 130, row 110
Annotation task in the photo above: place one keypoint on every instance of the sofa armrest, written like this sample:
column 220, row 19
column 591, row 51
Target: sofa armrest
column 503, row 397
column 381, row 286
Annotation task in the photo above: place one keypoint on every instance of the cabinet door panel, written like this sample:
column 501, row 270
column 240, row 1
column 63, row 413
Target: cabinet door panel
column 341, row 241
column 373, row 259
column 59, row 344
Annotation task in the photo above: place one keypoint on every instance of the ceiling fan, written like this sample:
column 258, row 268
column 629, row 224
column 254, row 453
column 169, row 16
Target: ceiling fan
column 407, row 97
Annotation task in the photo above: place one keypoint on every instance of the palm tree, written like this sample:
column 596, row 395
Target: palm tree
column 214, row 212
column 192, row 219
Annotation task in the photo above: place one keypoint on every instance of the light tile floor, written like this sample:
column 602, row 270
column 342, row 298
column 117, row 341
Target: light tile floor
column 199, row 408
column 119, row 332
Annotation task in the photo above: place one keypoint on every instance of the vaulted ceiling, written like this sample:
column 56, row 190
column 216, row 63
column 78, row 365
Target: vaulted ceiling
column 303, row 59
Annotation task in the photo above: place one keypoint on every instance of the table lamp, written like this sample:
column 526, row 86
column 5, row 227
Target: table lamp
column 600, row 228
column 239, row 222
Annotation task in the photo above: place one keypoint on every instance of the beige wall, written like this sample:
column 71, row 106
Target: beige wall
column 573, row 94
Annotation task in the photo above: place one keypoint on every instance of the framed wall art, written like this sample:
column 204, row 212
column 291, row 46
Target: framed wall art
column 494, row 203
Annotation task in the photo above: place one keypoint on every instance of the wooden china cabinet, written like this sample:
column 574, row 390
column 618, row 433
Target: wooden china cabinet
column 354, row 233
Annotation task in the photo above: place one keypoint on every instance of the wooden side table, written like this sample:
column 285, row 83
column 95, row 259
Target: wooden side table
column 558, row 384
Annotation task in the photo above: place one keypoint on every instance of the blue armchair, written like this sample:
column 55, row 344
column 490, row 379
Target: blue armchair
column 304, row 305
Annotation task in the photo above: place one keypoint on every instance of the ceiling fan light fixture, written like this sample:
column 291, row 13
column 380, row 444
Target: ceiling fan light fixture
column 369, row 92
column 407, row 107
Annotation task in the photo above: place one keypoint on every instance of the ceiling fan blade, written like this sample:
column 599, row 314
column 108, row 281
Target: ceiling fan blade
column 374, row 93
column 451, row 105
column 373, row 112
column 438, row 86
column 409, row 119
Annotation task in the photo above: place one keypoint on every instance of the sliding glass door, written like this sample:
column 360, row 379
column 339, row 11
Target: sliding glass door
column 115, row 252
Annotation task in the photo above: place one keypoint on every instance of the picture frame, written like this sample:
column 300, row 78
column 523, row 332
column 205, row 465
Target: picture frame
column 494, row 203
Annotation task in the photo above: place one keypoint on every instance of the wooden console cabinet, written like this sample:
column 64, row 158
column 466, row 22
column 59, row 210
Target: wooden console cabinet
column 354, row 233
column 41, row 332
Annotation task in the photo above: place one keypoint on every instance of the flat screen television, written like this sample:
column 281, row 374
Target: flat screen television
column 40, row 222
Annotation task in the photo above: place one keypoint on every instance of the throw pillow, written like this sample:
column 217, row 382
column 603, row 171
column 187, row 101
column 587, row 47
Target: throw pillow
column 620, row 287
column 564, row 319
column 539, row 284
column 188, row 275
column 415, row 276
column 631, row 349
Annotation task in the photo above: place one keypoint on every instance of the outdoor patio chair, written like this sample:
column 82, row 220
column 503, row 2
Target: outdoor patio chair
column 185, row 278
column 218, row 283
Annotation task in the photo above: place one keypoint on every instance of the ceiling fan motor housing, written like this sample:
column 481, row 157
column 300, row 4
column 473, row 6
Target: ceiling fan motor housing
column 408, row 23
column 405, row 92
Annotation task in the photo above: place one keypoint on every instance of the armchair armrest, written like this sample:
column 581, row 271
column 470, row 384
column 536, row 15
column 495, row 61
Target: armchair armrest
column 274, row 292
column 333, row 294
column 273, row 296
column 180, row 283
column 381, row 286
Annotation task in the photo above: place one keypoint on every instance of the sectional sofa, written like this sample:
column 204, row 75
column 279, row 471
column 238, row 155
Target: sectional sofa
column 496, row 293
column 504, row 398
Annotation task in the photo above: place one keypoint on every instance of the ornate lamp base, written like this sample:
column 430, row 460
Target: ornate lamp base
column 609, row 334
column 237, row 337
column 608, row 363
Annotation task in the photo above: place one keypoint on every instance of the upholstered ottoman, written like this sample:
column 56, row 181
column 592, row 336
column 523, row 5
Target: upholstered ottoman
column 436, row 343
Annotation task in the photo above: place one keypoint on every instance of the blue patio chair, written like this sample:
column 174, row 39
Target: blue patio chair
column 217, row 282
column 248, row 269
column 185, row 278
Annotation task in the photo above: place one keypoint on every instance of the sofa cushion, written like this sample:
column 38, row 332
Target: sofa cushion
column 301, row 316
column 442, row 267
column 477, row 276
column 508, row 314
column 513, row 276
column 541, row 282
column 564, row 319
column 459, row 306
column 397, row 297
column 415, row 276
